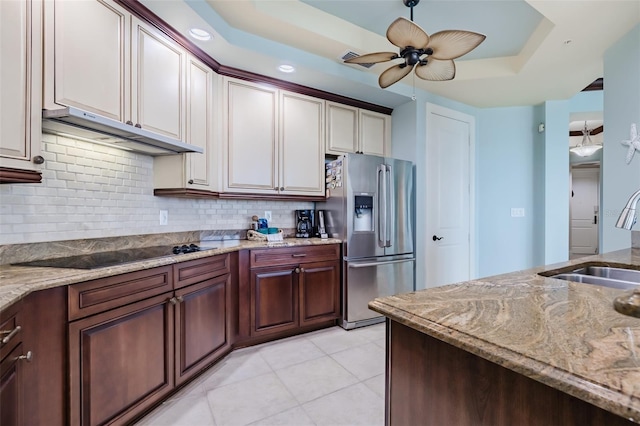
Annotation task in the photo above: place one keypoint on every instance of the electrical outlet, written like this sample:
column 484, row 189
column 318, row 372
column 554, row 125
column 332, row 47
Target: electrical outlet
column 267, row 215
column 164, row 217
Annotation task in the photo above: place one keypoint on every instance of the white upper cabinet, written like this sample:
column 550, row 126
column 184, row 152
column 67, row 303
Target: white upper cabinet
column 101, row 59
column 20, row 88
column 87, row 51
column 351, row 129
column 251, row 138
column 194, row 170
column 158, row 79
column 342, row 128
column 274, row 141
column 301, row 146
column 375, row 132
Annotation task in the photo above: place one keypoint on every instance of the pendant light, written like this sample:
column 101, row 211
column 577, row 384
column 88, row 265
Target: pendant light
column 586, row 147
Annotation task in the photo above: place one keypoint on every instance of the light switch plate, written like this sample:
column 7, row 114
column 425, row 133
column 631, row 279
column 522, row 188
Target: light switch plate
column 517, row 211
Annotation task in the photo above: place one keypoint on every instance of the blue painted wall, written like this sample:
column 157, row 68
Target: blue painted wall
column 621, row 108
column 506, row 178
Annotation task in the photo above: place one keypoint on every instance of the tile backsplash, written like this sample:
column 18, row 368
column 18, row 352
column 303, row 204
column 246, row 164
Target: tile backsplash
column 94, row 191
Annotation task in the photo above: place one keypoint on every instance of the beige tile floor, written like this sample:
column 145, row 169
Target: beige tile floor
column 327, row 377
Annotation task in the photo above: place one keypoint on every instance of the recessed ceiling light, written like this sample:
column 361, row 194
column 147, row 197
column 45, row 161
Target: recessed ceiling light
column 286, row 68
column 199, row 34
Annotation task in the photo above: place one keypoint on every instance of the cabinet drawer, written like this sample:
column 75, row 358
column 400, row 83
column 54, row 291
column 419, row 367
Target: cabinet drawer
column 96, row 296
column 10, row 328
column 293, row 255
column 202, row 269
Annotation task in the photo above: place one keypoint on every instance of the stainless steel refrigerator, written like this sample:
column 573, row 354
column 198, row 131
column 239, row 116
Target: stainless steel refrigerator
column 371, row 207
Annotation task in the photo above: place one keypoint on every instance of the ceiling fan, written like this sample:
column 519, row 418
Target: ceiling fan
column 431, row 56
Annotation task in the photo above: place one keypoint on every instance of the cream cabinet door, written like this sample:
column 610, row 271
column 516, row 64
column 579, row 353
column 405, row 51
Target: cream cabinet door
column 20, row 83
column 87, row 57
column 342, row 128
column 193, row 170
column 251, row 137
column 375, row 132
column 301, row 145
column 157, row 81
column 199, row 123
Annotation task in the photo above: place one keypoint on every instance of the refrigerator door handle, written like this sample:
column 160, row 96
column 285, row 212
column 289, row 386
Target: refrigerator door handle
column 370, row 264
column 382, row 205
column 391, row 200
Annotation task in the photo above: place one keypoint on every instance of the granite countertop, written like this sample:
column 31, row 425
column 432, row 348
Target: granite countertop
column 566, row 335
column 18, row 281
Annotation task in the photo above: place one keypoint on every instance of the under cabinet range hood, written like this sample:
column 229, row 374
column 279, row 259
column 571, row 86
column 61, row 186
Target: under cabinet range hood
column 79, row 124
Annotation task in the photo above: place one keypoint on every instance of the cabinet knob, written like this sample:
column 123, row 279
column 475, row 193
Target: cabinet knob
column 180, row 299
column 173, row 301
column 190, row 182
column 38, row 159
column 28, row 357
column 302, row 270
column 129, row 122
column 297, row 270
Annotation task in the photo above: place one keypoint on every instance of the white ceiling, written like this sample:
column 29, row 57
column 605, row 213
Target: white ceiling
column 536, row 50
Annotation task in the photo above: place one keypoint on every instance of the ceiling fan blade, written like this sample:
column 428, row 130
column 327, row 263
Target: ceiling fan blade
column 436, row 70
column 373, row 58
column 402, row 33
column 393, row 75
column 452, row 44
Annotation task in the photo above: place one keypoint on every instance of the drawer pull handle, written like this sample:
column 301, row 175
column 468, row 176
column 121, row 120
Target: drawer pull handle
column 28, row 357
column 299, row 255
column 9, row 334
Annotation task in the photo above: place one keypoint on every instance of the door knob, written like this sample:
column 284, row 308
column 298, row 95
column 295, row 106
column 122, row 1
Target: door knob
column 437, row 238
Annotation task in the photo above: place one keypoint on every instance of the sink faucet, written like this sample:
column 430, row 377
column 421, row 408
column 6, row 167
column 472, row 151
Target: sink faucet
column 628, row 216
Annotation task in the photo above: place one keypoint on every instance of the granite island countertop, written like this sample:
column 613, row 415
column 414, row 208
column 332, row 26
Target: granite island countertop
column 18, row 281
column 564, row 334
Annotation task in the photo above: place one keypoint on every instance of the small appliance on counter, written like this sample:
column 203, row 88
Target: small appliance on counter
column 305, row 223
column 321, row 229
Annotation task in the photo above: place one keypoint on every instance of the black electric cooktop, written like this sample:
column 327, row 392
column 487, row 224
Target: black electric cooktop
column 113, row 258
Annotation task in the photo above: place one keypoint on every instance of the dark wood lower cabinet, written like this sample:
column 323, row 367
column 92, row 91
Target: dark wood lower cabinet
column 274, row 300
column 11, row 395
column 319, row 292
column 430, row 382
column 201, row 325
column 108, row 350
column 121, row 361
column 289, row 297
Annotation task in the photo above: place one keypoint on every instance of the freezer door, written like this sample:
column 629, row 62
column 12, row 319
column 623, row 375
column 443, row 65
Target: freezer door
column 401, row 209
column 362, row 180
column 364, row 280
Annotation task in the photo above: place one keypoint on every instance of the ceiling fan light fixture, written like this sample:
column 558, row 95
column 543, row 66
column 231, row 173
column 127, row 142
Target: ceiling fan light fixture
column 586, row 147
column 430, row 56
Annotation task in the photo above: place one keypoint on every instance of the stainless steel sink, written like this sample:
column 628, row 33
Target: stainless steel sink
column 602, row 281
column 606, row 276
column 610, row 272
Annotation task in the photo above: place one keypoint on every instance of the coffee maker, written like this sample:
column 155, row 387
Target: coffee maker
column 305, row 224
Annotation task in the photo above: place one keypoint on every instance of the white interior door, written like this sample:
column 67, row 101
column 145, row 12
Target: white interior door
column 449, row 196
column 585, row 197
